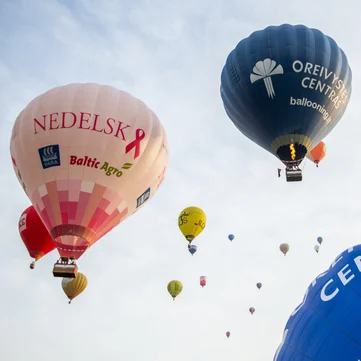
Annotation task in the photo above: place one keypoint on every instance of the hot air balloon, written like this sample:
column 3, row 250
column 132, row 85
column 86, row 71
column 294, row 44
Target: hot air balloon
column 326, row 325
column 34, row 234
column 88, row 156
column 252, row 310
column 174, row 288
column 231, row 237
column 228, row 334
column 74, row 286
column 192, row 249
column 284, row 248
column 317, row 248
column 259, row 285
column 285, row 88
column 319, row 240
column 203, row 281
column 317, row 153
column 191, row 222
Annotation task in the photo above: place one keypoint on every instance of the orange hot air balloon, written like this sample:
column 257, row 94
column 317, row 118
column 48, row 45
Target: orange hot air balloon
column 88, row 156
column 34, row 234
column 317, row 153
column 228, row 334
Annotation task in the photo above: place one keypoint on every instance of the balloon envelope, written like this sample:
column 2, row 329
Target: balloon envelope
column 231, row 237
column 192, row 249
column 317, row 248
column 88, row 156
column 319, row 240
column 284, row 248
column 252, row 310
column 285, row 88
column 191, row 222
column 34, row 234
column 203, row 281
column 317, row 153
column 175, row 288
column 259, row 285
column 228, row 334
column 73, row 287
column 326, row 325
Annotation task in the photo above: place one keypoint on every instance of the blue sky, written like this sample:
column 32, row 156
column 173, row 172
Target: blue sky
column 170, row 55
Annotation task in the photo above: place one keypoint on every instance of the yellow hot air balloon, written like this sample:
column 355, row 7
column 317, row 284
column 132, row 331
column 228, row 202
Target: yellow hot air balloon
column 191, row 222
column 175, row 288
column 74, row 286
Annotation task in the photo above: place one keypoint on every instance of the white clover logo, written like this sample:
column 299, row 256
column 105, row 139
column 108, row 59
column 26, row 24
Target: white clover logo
column 264, row 70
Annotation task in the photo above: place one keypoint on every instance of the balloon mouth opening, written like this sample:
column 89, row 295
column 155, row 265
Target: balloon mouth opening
column 189, row 238
column 291, row 154
column 38, row 255
column 71, row 247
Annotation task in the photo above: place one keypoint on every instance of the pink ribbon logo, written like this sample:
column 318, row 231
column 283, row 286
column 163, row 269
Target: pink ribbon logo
column 139, row 136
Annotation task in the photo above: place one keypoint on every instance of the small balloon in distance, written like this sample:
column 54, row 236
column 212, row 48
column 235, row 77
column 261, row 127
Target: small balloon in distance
column 175, row 288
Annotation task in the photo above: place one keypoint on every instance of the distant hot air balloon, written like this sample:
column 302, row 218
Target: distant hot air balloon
column 174, row 288
column 317, row 248
column 228, row 334
column 319, row 240
column 191, row 222
column 259, row 285
column 252, row 310
column 203, row 281
column 231, row 237
column 34, row 234
column 317, row 153
column 285, row 88
column 88, row 156
column 74, row 286
column 326, row 325
column 284, row 248
column 192, row 249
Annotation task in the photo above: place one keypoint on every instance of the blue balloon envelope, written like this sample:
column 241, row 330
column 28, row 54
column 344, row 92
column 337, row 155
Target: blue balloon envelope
column 192, row 249
column 285, row 88
column 231, row 237
column 326, row 325
column 319, row 240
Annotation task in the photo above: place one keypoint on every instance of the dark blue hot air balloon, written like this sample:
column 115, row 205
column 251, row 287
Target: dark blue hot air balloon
column 285, row 88
column 326, row 325
column 231, row 237
column 192, row 249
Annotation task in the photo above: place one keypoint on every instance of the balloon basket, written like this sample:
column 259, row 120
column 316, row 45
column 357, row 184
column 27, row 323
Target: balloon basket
column 65, row 269
column 293, row 175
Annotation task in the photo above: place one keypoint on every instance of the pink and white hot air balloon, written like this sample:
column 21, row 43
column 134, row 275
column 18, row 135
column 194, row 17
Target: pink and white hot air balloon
column 88, row 156
column 203, row 281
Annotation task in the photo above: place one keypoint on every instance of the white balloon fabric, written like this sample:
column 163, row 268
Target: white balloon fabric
column 88, row 156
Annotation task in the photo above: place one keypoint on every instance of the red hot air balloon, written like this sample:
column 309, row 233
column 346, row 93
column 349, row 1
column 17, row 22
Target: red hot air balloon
column 252, row 310
column 34, row 234
column 203, row 281
column 228, row 334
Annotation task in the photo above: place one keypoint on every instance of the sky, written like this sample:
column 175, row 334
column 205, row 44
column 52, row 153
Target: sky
column 170, row 55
